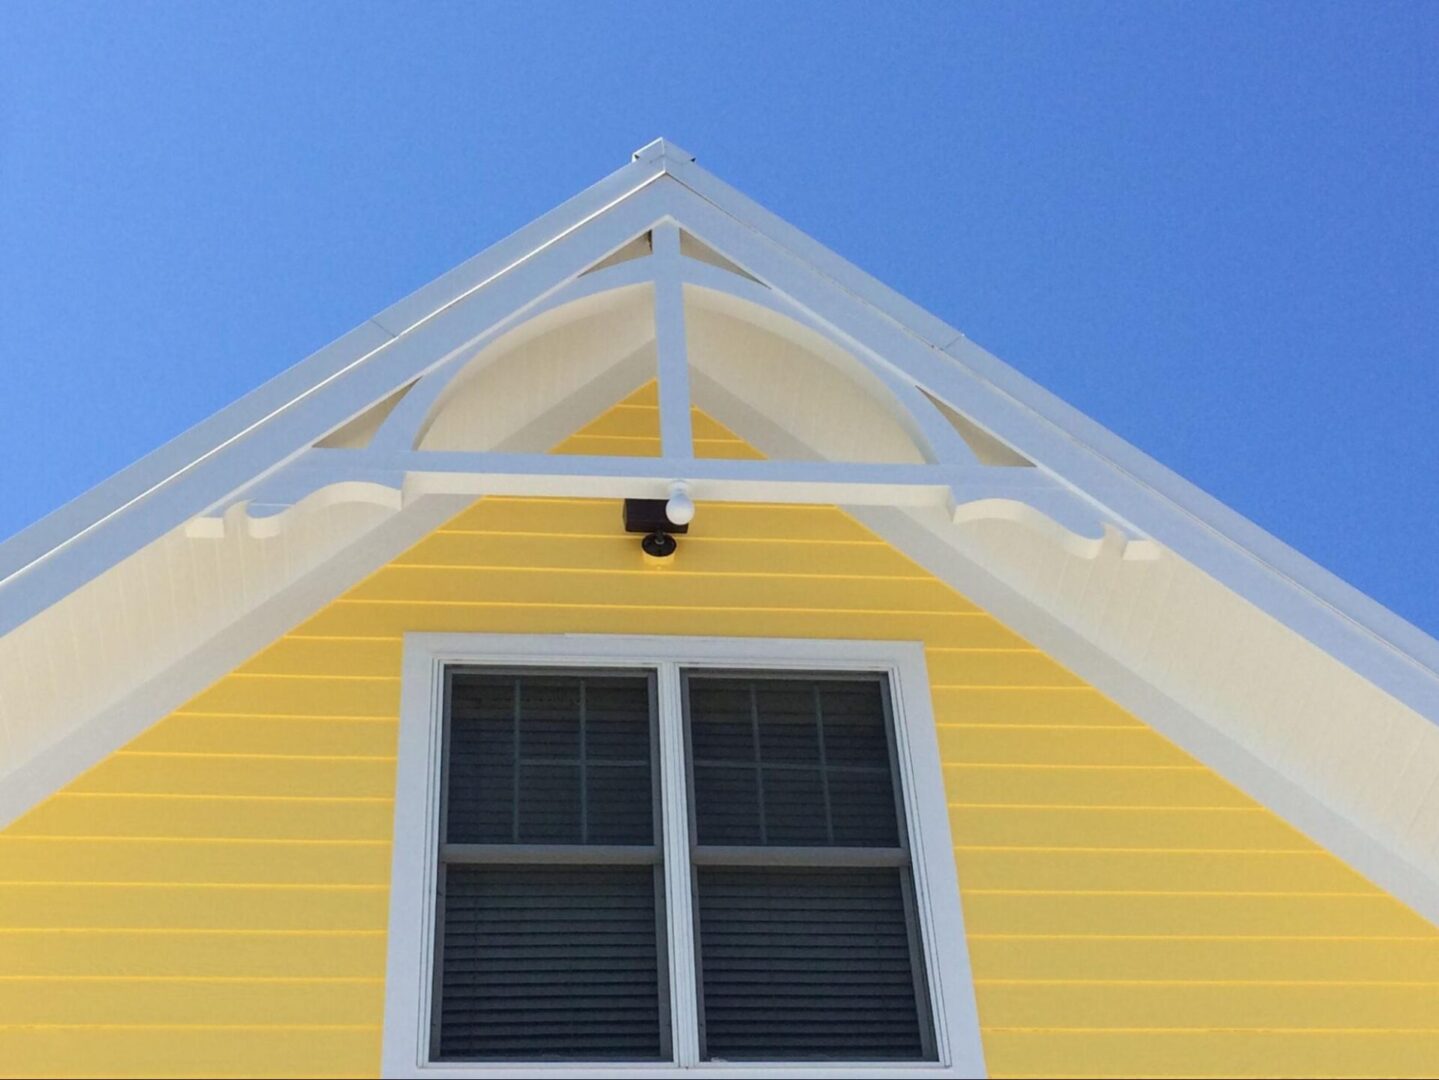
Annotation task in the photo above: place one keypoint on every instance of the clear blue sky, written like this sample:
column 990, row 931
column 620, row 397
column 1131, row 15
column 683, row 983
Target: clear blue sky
column 1212, row 226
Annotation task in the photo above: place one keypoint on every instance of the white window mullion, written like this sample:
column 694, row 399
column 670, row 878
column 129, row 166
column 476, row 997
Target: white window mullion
column 674, row 801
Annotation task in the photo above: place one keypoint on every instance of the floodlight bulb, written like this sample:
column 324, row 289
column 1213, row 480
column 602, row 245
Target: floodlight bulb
column 680, row 508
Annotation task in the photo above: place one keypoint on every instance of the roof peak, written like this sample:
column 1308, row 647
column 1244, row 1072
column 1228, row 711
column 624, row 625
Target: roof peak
column 662, row 150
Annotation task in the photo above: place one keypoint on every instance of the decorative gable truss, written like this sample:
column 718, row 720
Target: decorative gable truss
column 1301, row 690
column 857, row 459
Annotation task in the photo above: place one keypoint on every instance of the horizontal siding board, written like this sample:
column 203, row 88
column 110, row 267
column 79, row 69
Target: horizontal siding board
column 1225, row 830
column 1068, row 747
column 1255, row 914
column 240, row 774
column 205, row 953
column 697, row 554
column 393, row 620
column 1210, row 1053
column 251, row 733
column 681, row 589
column 1066, row 785
column 1025, row 706
column 731, row 449
column 76, row 1001
column 1319, row 1006
column 231, row 1051
column 297, row 696
column 1028, row 668
column 633, row 422
column 1206, row 959
column 1055, row 869
column 608, row 446
column 318, row 657
column 47, row 859
column 202, row 817
column 190, row 907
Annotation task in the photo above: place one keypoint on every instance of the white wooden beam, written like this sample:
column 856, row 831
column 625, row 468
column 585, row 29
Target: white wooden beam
column 965, row 491
column 676, row 436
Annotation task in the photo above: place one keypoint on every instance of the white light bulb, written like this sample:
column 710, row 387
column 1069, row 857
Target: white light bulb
column 680, row 508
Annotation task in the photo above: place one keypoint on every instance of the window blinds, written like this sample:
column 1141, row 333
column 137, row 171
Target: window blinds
column 807, row 943
column 550, row 913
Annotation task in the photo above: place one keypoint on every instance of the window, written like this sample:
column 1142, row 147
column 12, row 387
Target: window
column 672, row 856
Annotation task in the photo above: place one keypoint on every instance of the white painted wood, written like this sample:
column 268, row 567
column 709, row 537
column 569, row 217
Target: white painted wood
column 676, row 438
column 407, row 1004
column 985, row 488
column 1307, row 806
column 404, row 427
column 267, row 427
column 941, row 443
column 1138, row 492
column 679, row 885
column 205, row 657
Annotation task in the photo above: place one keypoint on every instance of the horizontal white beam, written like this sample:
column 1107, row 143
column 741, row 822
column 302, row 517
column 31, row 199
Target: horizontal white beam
column 421, row 472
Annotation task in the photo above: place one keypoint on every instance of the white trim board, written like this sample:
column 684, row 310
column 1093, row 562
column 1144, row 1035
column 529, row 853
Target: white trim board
column 408, row 973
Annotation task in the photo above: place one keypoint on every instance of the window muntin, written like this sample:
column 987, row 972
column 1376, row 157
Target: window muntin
column 550, row 914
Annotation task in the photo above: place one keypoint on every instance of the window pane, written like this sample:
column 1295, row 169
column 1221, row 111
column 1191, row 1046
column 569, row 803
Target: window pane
column 549, row 759
column 807, row 963
column 548, row 963
column 791, row 762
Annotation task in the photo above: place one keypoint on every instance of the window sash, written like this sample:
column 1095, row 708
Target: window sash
column 518, row 854
column 805, row 856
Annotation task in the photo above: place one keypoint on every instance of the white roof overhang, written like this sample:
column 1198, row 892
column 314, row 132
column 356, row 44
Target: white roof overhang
column 254, row 471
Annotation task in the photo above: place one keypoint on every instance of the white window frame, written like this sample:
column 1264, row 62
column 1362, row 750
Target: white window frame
column 408, row 983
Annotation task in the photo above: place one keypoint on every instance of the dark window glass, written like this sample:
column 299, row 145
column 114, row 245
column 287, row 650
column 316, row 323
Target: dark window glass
column 546, row 953
column 547, row 759
column 809, row 963
column 804, row 951
column 791, row 762
column 549, row 962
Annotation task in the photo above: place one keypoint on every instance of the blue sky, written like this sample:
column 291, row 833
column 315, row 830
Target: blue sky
column 1211, row 227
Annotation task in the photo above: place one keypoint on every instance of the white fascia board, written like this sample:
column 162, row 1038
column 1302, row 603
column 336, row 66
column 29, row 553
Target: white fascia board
column 267, row 427
column 1394, row 655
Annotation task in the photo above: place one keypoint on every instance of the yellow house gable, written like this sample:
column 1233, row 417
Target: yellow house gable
column 212, row 898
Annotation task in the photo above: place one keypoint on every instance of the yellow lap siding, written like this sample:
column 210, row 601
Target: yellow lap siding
column 278, row 817
column 207, row 906
column 118, row 1000
column 1248, row 1052
column 209, row 860
column 211, row 900
column 1092, row 1004
column 227, row 1050
column 1175, row 913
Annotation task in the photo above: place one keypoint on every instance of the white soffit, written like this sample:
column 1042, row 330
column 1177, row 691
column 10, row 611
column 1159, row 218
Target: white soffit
column 912, row 356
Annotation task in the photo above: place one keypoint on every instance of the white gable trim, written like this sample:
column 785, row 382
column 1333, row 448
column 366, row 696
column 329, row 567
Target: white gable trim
column 264, row 438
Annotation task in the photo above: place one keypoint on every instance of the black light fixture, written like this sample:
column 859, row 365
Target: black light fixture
column 661, row 520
